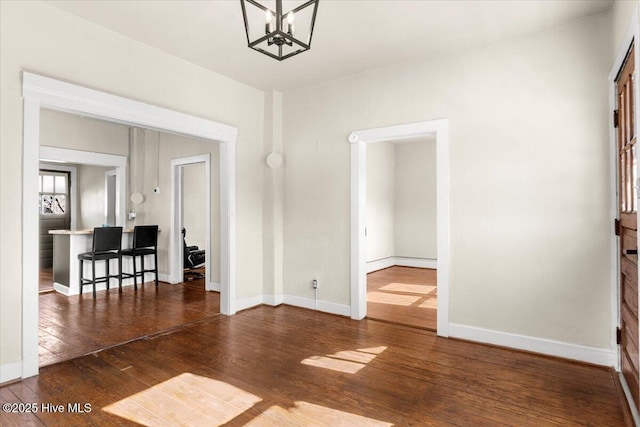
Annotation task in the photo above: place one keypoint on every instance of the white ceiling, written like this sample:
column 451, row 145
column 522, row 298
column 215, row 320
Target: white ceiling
column 349, row 37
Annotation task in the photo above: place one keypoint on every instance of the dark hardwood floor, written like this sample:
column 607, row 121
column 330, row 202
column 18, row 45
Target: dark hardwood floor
column 290, row 366
column 403, row 295
column 45, row 283
column 76, row 325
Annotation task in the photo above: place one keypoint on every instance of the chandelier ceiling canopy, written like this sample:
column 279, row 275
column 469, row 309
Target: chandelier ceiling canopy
column 279, row 29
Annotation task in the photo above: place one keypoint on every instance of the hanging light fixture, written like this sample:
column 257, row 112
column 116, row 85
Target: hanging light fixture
column 277, row 34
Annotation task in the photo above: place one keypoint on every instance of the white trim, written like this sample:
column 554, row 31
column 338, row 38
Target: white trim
column 632, row 33
column 71, row 98
column 324, row 306
column 30, row 236
column 213, row 286
column 596, row 356
column 416, row 262
column 245, row 303
column 359, row 139
column 293, row 300
column 81, row 157
column 39, row 91
column 66, row 290
column 381, row 264
column 93, row 159
column 176, row 267
column 228, row 255
column 273, row 300
column 629, row 396
column 163, row 278
column 10, row 371
column 73, row 171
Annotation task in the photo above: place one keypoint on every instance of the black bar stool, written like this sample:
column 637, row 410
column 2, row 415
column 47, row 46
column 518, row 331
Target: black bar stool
column 107, row 242
column 145, row 242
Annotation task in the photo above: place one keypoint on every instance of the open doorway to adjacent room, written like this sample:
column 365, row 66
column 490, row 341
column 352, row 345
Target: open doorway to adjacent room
column 400, row 286
column 401, row 232
column 54, row 208
column 82, row 187
column 59, row 326
column 193, row 223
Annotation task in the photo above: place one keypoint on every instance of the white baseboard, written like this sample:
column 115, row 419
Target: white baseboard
column 380, row 264
column 383, row 263
column 164, row 278
column 10, row 371
column 416, row 262
column 324, row 306
column 273, row 300
column 245, row 303
column 213, row 286
column 596, row 356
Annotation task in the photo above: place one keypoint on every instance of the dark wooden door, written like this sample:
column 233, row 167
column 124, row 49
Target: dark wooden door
column 55, row 214
column 627, row 197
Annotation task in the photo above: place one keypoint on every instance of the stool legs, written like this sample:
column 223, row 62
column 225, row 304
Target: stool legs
column 155, row 265
column 106, row 279
column 135, row 273
column 107, row 270
column 80, row 280
column 93, row 276
column 139, row 270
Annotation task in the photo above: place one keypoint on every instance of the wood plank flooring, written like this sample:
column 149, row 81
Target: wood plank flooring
column 76, row 325
column 286, row 366
column 403, row 295
column 46, row 280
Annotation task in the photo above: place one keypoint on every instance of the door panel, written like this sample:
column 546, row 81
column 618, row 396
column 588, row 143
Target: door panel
column 53, row 218
column 627, row 212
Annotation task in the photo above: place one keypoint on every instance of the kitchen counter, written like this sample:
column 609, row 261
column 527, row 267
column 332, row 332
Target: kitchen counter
column 68, row 244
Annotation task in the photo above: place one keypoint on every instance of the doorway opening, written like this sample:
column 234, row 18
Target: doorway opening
column 437, row 129
column 192, row 254
column 54, row 203
column 401, row 226
column 110, row 202
column 43, row 92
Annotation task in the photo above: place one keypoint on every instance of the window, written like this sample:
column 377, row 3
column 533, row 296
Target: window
column 54, row 189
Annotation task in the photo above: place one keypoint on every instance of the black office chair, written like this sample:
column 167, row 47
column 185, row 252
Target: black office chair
column 194, row 258
column 107, row 242
column 145, row 242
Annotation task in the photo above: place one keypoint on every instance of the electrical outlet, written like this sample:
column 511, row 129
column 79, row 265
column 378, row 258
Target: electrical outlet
column 314, row 283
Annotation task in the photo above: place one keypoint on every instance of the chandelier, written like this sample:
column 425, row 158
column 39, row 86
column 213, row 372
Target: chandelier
column 279, row 34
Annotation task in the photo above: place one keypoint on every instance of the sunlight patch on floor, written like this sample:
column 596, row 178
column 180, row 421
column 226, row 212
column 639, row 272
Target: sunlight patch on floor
column 308, row 414
column 405, row 287
column 430, row 303
column 349, row 361
column 185, row 400
column 394, row 299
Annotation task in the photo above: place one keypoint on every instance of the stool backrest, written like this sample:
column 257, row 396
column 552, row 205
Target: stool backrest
column 145, row 236
column 107, row 239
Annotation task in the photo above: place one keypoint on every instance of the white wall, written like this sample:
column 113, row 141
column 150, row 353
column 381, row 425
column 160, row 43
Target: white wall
column 91, row 196
column 380, row 201
column 622, row 13
column 414, row 207
column 529, row 178
column 63, row 130
column 152, row 153
column 42, row 39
